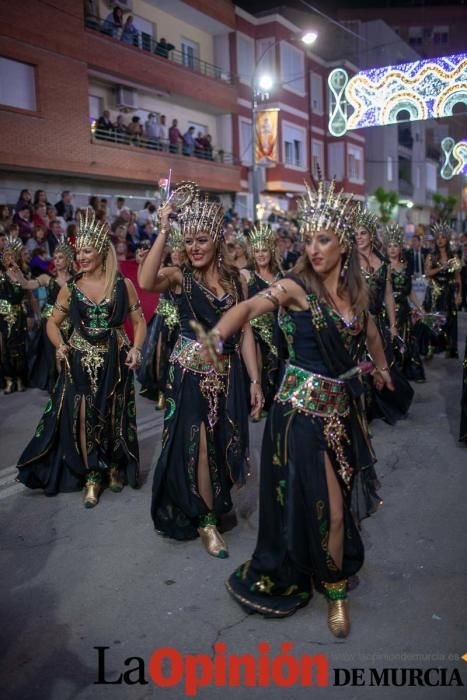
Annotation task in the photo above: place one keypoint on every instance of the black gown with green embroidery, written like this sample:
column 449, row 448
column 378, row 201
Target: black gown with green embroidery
column 409, row 361
column 391, row 406
column 197, row 396
column 13, row 330
column 43, row 370
column 96, row 374
column 294, row 510
column 161, row 336
column 265, row 336
column 463, row 424
column 442, row 299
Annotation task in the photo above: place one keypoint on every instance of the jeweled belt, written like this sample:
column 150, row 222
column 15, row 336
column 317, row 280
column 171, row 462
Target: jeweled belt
column 47, row 310
column 213, row 383
column 312, row 393
column 187, row 353
column 10, row 312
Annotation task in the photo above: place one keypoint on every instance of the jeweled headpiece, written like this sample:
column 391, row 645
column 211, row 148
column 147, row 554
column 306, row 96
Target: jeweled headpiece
column 393, row 234
column 13, row 245
column 441, row 228
column 367, row 220
column 66, row 249
column 262, row 238
column 202, row 216
column 92, row 232
column 324, row 208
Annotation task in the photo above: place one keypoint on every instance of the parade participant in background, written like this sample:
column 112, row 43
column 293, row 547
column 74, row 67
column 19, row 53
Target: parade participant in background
column 442, row 268
column 407, row 355
column 314, row 444
column 87, row 434
column 463, row 424
column 13, row 317
column 43, row 365
column 205, row 438
column 162, row 333
column 391, row 406
column 266, row 270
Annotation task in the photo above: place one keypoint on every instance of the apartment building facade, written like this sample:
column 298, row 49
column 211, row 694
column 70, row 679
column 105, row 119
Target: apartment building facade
column 271, row 44
column 60, row 70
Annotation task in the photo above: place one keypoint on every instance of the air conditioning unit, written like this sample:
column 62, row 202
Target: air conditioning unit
column 126, row 99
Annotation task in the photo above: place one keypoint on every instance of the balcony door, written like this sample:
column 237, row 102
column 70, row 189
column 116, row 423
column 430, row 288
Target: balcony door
column 190, row 53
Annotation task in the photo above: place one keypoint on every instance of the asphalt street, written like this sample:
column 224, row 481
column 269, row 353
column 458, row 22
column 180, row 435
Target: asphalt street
column 74, row 579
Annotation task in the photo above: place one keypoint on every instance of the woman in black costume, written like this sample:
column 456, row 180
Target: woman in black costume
column 463, row 425
column 391, row 406
column 314, row 443
column 13, row 317
column 87, row 434
column 408, row 357
column 205, row 437
column 266, row 271
column 442, row 268
column 162, row 334
column 43, row 367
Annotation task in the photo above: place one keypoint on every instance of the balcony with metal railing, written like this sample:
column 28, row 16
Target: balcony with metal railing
column 140, row 158
column 146, row 43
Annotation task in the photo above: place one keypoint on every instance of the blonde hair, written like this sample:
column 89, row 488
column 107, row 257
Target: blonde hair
column 111, row 270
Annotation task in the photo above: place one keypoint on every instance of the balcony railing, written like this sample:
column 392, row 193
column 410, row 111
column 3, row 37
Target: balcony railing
column 145, row 42
column 216, row 155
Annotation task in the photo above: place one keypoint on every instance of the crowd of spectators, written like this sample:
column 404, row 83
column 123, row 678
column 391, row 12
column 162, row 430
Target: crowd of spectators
column 119, row 27
column 155, row 134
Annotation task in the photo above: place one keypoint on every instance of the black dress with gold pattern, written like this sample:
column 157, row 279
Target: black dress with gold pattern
column 200, row 397
column 13, row 330
column 315, row 413
column 95, row 374
column 409, row 361
column 43, row 371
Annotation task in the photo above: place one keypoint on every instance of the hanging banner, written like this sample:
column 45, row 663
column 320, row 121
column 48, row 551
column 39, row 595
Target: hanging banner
column 266, row 137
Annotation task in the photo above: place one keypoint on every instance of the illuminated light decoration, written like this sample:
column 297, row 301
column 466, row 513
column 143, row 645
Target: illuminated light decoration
column 425, row 89
column 456, row 151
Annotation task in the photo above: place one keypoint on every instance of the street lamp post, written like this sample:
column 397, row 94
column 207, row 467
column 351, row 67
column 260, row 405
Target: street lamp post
column 261, row 89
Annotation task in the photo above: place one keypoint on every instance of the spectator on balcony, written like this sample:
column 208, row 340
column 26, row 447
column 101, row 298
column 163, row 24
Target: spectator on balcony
column 40, row 197
column 163, row 140
column 148, row 213
column 135, row 131
column 39, row 240
column 163, row 48
column 129, row 32
column 6, row 216
column 91, row 14
column 113, row 23
column 175, row 137
column 64, row 207
column 25, row 198
column 199, row 145
column 23, row 219
column 104, row 126
column 189, row 141
column 120, row 208
column 54, row 235
column 121, row 130
column 206, row 142
column 151, row 130
column 40, row 216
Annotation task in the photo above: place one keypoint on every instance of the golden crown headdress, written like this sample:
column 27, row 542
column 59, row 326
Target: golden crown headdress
column 65, row 248
column 393, row 234
column 441, row 228
column 367, row 220
column 262, row 238
column 92, row 232
column 13, row 244
column 323, row 208
column 202, row 216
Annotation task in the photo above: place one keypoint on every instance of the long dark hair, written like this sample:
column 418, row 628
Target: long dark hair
column 351, row 284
